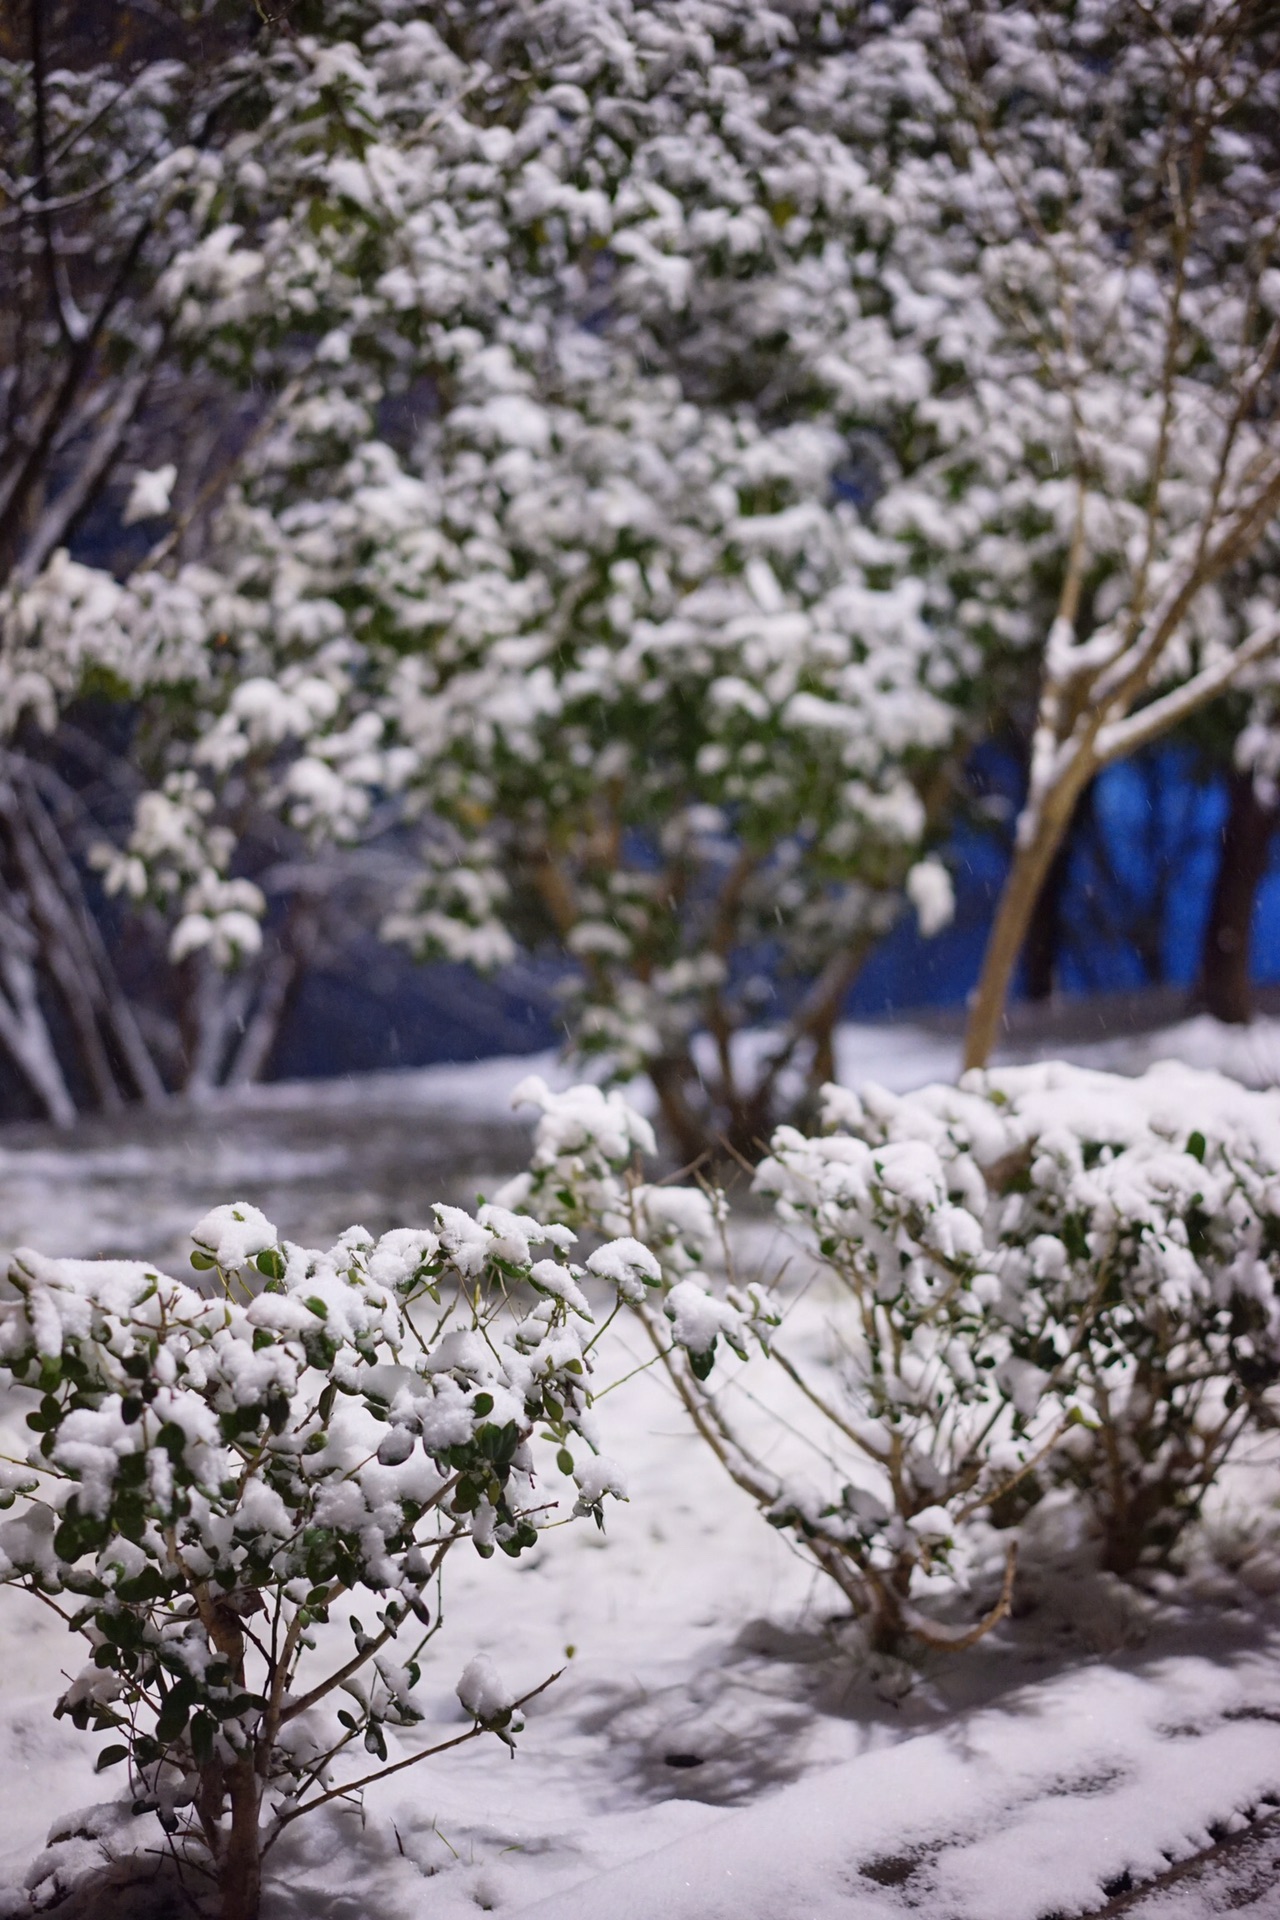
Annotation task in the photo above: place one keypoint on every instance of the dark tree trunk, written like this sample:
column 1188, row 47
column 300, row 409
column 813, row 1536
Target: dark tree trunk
column 240, row 1866
column 1042, row 948
column 1224, row 988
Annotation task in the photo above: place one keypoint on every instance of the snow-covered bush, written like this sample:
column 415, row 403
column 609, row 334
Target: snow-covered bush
column 1131, row 1232
column 243, row 1497
column 1104, row 1250
column 669, row 436
column 929, row 1389
column 672, row 435
column 546, row 524
column 927, row 1419
column 1045, row 1277
column 588, row 1148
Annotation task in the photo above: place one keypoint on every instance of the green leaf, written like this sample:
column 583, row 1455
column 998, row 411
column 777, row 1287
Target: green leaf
column 316, row 1305
column 564, row 1460
column 320, row 1349
column 271, row 1263
column 499, row 1443
column 202, row 1261
column 1075, row 1237
column 79, row 1533
column 1196, row 1146
column 110, row 1757
column 149, row 1584
column 238, row 1420
column 173, row 1716
column 131, row 1517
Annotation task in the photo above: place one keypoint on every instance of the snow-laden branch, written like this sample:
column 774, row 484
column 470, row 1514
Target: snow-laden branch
column 1117, row 739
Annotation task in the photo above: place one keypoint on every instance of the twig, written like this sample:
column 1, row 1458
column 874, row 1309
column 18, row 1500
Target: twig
column 384, row 1773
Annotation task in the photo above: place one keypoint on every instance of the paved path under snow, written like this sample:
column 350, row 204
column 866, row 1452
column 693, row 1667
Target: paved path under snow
column 1043, row 1807
column 1238, row 1875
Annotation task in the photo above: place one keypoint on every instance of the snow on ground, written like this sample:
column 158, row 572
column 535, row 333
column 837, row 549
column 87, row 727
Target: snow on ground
column 714, row 1746
column 318, row 1155
column 1238, row 1877
column 1028, row 1808
column 903, row 1057
column 1249, row 1054
column 378, row 1148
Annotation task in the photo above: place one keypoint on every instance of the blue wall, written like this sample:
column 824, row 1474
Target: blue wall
column 1140, row 872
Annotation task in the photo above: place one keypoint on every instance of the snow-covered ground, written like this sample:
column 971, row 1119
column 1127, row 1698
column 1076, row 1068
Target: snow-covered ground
column 378, row 1148
column 715, row 1746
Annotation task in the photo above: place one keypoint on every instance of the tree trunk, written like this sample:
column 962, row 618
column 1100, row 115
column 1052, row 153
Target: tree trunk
column 1044, row 935
column 217, row 1004
column 52, row 940
column 240, row 1866
column 670, row 1076
column 280, row 979
column 24, row 1031
column 87, row 946
column 51, row 920
column 254, row 1050
column 1224, row 988
column 1032, row 859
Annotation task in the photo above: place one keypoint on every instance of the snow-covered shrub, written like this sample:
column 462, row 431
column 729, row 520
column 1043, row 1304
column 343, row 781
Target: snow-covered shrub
column 944, row 1415
column 243, row 1497
column 588, row 1147
column 928, row 1416
column 672, row 435
column 1128, row 1232
column 1043, row 1277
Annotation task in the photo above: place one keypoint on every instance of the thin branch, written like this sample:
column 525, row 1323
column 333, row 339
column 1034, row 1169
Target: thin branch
column 375, row 1645
column 1118, row 738
column 58, row 517
column 384, row 1773
column 934, row 1634
column 71, row 322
